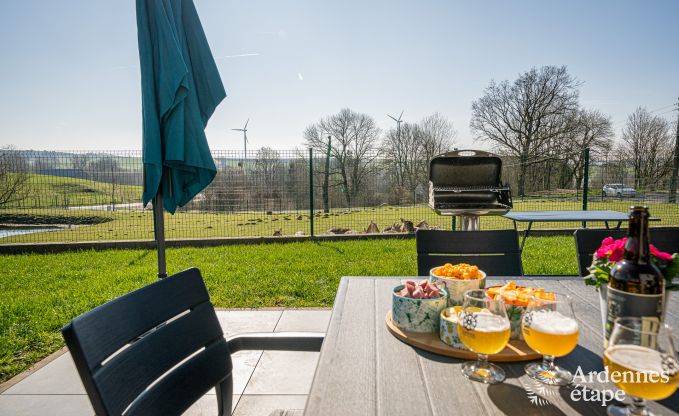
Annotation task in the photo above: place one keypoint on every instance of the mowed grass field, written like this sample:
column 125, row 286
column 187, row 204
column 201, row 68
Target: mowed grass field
column 55, row 191
column 39, row 293
column 138, row 225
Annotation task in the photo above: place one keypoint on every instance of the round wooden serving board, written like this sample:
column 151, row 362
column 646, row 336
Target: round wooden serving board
column 429, row 341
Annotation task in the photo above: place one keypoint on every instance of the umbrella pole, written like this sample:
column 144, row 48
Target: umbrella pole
column 159, row 228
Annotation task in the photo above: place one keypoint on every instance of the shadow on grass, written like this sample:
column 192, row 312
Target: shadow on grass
column 326, row 245
column 140, row 257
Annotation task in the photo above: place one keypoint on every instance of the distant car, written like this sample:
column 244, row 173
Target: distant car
column 618, row 189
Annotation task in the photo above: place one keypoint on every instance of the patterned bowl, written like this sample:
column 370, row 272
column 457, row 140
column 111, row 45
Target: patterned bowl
column 457, row 287
column 448, row 328
column 417, row 315
column 515, row 315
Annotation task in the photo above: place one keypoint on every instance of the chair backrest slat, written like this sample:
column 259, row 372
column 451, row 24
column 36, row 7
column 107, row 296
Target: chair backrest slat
column 133, row 347
column 495, row 252
column 127, row 374
column 588, row 240
column 188, row 382
column 137, row 312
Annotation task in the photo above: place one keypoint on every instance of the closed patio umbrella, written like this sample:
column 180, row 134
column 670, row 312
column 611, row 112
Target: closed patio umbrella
column 181, row 88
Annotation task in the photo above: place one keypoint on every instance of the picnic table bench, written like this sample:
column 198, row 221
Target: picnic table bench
column 530, row 217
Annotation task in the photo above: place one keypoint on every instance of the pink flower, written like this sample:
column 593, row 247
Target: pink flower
column 614, row 250
column 661, row 255
column 618, row 250
column 610, row 249
column 602, row 252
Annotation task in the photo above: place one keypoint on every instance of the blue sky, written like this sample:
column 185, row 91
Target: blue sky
column 70, row 75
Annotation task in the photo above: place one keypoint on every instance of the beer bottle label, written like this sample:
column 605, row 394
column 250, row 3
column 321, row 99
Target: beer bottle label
column 647, row 307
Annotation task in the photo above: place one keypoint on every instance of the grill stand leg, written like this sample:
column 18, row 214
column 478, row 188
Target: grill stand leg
column 470, row 222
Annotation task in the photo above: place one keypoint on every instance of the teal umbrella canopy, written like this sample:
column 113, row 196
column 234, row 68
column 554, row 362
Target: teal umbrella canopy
column 181, row 88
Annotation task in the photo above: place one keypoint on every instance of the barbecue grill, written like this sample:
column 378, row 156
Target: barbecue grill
column 468, row 184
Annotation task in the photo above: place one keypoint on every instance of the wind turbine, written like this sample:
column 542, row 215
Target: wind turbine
column 245, row 140
column 398, row 124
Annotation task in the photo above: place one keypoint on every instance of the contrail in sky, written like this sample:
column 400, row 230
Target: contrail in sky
column 240, row 55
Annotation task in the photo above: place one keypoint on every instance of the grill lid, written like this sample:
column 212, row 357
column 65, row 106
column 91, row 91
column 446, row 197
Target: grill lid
column 465, row 168
column 468, row 182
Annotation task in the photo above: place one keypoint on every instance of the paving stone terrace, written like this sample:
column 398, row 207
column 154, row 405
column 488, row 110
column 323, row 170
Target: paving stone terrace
column 263, row 381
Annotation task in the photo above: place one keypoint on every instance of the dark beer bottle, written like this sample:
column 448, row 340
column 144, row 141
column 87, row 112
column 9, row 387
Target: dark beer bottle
column 636, row 286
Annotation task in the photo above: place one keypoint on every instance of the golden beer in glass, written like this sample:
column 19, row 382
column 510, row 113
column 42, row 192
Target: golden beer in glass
column 490, row 335
column 483, row 327
column 549, row 327
column 552, row 333
column 642, row 362
column 639, row 372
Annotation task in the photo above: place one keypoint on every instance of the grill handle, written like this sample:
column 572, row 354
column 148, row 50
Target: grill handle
column 465, row 153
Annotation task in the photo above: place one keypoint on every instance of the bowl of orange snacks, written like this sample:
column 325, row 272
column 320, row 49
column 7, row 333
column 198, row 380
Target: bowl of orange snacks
column 516, row 300
column 458, row 279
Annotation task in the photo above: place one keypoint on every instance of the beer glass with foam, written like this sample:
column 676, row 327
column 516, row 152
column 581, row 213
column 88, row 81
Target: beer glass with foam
column 642, row 362
column 549, row 327
column 483, row 327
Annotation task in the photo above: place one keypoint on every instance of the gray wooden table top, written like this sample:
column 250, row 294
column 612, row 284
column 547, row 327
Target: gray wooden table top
column 364, row 370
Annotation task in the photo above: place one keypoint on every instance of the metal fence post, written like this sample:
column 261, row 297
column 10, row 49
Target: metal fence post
column 585, row 185
column 675, row 167
column 311, row 192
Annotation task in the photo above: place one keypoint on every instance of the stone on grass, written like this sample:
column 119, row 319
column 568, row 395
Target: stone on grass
column 422, row 225
column 372, row 228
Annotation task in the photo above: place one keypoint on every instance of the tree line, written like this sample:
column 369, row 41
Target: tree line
column 535, row 122
column 537, row 118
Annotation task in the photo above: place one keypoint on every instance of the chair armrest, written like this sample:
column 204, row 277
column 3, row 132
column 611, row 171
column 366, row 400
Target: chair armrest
column 286, row 341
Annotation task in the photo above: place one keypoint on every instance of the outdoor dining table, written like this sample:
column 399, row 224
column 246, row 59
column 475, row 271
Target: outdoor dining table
column 530, row 217
column 364, row 370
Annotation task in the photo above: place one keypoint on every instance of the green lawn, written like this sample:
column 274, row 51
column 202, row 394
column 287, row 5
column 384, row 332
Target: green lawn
column 40, row 293
column 138, row 225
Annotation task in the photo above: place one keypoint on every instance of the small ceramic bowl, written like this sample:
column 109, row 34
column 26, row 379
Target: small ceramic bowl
column 417, row 315
column 448, row 328
column 457, row 287
column 515, row 315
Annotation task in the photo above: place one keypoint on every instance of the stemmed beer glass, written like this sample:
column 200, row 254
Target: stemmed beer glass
column 641, row 361
column 549, row 327
column 483, row 327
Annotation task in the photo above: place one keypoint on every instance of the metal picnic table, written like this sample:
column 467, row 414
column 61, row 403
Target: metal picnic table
column 566, row 216
column 364, row 370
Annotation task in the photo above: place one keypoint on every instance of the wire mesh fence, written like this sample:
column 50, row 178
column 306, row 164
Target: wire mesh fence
column 74, row 196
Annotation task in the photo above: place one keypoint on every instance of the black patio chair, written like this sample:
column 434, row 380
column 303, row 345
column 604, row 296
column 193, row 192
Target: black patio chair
column 588, row 240
column 495, row 252
column 157, row 350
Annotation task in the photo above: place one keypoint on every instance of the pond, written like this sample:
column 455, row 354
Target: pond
column 9, row 232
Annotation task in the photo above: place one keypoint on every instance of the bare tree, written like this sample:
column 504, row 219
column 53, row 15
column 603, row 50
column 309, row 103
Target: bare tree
column 437, row 136
column 269, row 169
column 591, row 129
column 355, row 139
column 408, row 154
column 403, row 153
column 522, row 117
column 646, row 141
column 14, row 184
